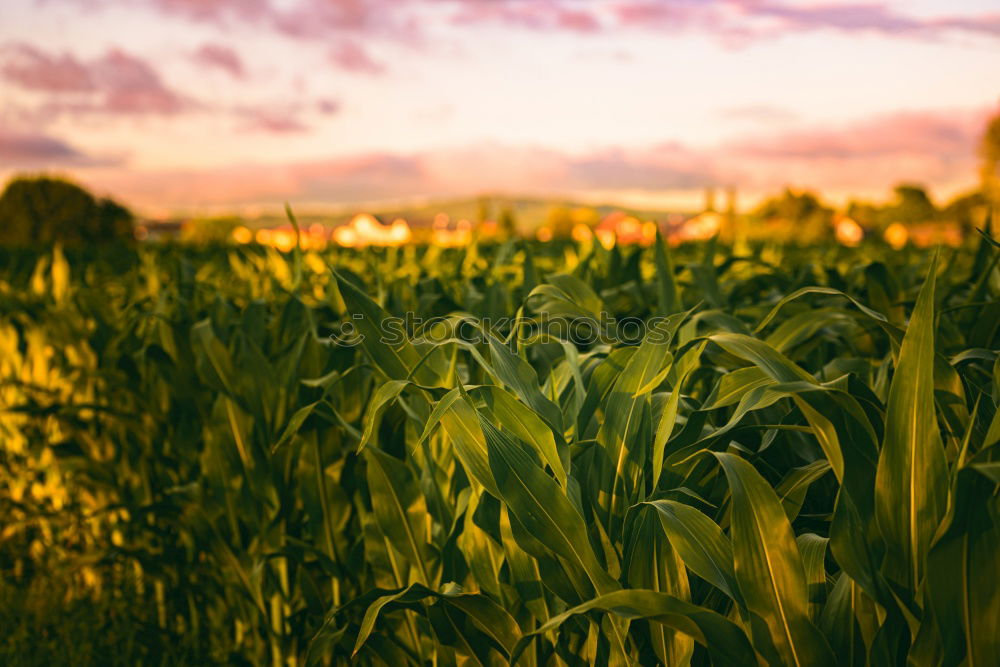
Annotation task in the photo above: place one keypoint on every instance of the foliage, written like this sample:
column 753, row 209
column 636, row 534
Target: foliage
column 797, row 463
column 912, row 205
column 990, row 154
column 211, row 230
column 802, row 216
column 42, row 210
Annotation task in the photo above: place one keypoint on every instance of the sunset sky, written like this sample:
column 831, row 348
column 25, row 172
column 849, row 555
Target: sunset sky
column 187, row 105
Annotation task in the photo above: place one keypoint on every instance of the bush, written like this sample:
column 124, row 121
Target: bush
column 43, row 210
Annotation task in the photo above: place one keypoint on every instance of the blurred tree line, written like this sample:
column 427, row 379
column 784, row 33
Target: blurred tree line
column 45, row 209
column 912, row 205
column 804, row 216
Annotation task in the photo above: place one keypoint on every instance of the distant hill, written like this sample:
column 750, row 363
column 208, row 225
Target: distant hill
column 528, row 213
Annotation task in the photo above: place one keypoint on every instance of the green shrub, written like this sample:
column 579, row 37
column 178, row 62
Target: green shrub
column 44, row 210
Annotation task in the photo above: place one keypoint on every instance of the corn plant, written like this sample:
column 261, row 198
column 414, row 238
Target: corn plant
column 519, row 453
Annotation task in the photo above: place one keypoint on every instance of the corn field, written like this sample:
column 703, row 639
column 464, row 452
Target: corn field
column 530, row 453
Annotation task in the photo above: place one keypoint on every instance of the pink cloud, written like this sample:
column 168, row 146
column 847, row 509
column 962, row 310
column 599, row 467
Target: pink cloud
column 220, row 57
column 670, row 166
column 272, row 121
column 328, row 107
column 131, row 86
column 31, row 150
column 937, row 148
column 543, row 14
column 344, row 179
column 216, row 10
column 934, row 133
column 734, row 22
column 33, row 69
column 676, row 15
column 352, row 56
column 867, row 17
column 115, row 83
column 865, row 158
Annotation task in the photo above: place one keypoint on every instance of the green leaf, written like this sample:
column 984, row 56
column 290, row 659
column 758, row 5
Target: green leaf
column 526, row 425
column 399, row 509
column 911, row 479
column 383, row 339
column 792, row 489
column 840, row 624
column 623, row 414
column 653, row 563
column 536, row 500
column 385, row 395
column 565, row 295
column 518, row 374
column 961, row 571
column 726, row 643
column 769, row 570
column 812, row 547
column 683, row 367
column 487, row 616
column 700, row 543
column 667, row 293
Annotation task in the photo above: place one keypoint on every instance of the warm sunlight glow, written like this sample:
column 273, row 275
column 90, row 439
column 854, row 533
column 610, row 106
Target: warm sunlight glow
column 848, row 232
column 896, row 235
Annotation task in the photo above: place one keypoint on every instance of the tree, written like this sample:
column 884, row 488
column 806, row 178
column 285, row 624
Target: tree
column 42, row 210
column 989, row 150
column 912, row 205
column 798, row 215
column 968, row 210
column 866, row 214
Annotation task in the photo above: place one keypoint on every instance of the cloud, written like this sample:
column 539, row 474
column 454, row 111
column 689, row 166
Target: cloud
column 378, row 176
column 271, row 120
column 865, row 158
column 220, row 57
column 130, row 85
column 672, row 166
column 115, row 83
column 328, row 106
column 26, row 150
column 30, row 68
column 870, row 17
column 541, row 15
column 931, row 133
column 310, row 19
column 735, row 23
column 352, row 56
column 357, row 178
column 750, row 20
column 930, row 147
column 217, row 11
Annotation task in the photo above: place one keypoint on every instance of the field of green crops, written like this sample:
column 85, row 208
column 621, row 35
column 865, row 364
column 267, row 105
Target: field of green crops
column 522, row 452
